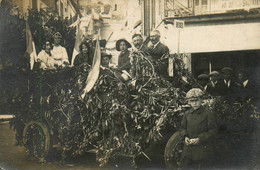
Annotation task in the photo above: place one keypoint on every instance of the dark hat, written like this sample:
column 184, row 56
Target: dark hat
column 57, row 35
column 103, row 54
column 214, row 73
column 203, row 76
column 226, row 69
column 128, row 45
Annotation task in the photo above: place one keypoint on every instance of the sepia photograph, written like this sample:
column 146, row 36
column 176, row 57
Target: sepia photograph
column 129, row 84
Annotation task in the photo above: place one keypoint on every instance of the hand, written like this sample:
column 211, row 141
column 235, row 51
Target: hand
column 194, row 141
column 187, row 141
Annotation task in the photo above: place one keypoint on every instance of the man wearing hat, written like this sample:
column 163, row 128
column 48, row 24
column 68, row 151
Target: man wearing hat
column 213, row 87
column 203, row 80
column 227, row 84
column 108, row 69
column 59, row 53
column 123, row 58
column 244, row 87
column 199, row 127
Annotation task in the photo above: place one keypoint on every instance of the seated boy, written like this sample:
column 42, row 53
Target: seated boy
column 199, row 125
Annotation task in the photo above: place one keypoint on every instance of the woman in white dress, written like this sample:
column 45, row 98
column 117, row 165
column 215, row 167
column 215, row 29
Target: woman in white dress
column 45, row 57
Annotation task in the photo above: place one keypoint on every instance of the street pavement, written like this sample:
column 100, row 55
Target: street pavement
column 15, row 158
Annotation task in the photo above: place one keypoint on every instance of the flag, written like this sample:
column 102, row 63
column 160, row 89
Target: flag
column 94, row 72
column 30, row 46
column 79, row 39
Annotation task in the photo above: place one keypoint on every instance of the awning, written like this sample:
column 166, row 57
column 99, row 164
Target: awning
column 215, row 33
column 214, row 37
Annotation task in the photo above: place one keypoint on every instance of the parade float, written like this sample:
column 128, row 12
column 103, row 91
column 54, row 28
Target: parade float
column 116, row 118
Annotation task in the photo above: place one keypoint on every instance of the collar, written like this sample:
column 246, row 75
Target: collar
column 214, row 83
column 245, row 83
column 198, row 111
column 227, row 82
column 155, row 45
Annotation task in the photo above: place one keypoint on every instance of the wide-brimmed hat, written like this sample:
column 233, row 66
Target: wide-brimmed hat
column 104, row 54
column 214, row 73
column 203, row 76
column 128, row 45
column 194, row 93
column 226, row 69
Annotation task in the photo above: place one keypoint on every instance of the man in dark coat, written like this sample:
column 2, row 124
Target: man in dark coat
column 227, row 83
column 200, row 127
column 203, row 80
column 158, row 50
column 213, row 87
column 243, row 87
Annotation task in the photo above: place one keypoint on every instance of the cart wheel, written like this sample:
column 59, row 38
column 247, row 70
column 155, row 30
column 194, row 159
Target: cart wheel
column 173, row 150
column 37, row 140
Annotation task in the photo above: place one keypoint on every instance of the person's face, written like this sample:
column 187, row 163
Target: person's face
column 203, row 82
column 105, row 61
column 84, row 49
column 154, row 38
column 195, row 103
column 47, row 46
column 227, row 75
column 213, row 78
column 240, row 76
column 57, row 40
column 122, row 46
column 137, row 41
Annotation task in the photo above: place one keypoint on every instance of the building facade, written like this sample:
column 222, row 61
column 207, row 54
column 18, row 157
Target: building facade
column 65, row 9
column 216, row 33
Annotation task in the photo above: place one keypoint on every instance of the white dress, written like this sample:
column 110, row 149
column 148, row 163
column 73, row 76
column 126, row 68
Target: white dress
column 47, row 61
column 60, row 55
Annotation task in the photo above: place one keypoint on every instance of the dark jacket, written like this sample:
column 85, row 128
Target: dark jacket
column 214, row 91
column 245, row 92
column 224, row 89
column 124, row 61
column 81, row 58
column 201, row 124
column 157, row 52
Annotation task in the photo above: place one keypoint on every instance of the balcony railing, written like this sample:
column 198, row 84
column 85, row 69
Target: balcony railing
column 178, row 8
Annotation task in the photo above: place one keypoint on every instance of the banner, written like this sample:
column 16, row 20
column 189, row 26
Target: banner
column 79, row 39
column 30, row 46
column 94, row 72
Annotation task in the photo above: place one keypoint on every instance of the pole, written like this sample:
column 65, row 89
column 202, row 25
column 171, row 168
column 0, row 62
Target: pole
column 178, row 49
column 210, row 66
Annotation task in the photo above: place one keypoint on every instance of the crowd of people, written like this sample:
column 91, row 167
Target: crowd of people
column 54, row 55
column 228, row 83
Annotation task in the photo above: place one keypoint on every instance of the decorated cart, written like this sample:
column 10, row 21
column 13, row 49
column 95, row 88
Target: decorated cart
column 117, row 117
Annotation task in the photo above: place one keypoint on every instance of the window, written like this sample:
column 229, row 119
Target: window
column 115, row 7
column 197, row 2
column 34, row 4
column 204, row 2
column 61, row 9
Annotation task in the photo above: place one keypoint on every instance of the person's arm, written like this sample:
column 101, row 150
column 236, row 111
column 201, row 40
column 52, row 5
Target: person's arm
column 77, row 60
column 165, row 50
column 184, row 124
column 65, row 58
column 212, row 128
